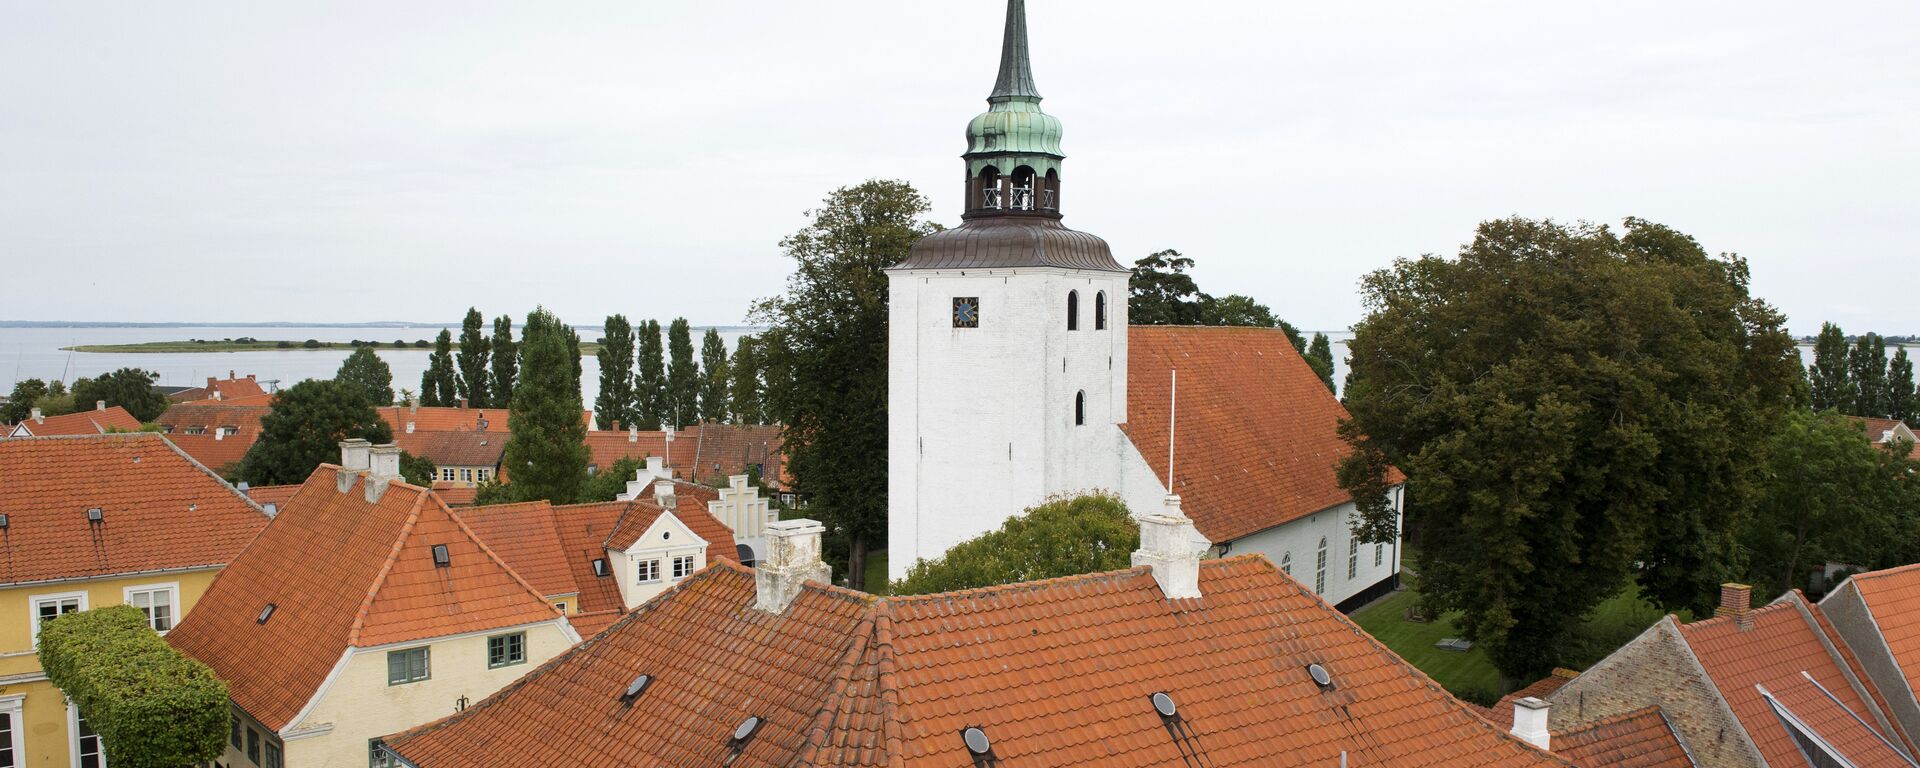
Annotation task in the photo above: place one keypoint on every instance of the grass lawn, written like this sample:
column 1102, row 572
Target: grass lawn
column 1464, row 674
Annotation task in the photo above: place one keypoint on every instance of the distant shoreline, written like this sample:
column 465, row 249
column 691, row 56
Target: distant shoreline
column 262, row 345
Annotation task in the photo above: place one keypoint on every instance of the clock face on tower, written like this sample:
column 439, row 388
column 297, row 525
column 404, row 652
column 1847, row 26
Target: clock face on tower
column 966, row 312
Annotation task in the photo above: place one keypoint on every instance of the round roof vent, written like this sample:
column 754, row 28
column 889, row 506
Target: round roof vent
column 637, row 687
column 976, row 740
column 1320, row 676
column 746, row 729
column 1163, row 704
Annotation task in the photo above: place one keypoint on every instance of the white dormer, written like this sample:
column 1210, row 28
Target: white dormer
column 664, row 554
column 741, row 508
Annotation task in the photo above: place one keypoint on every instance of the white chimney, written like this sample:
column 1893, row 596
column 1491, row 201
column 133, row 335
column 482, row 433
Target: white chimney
column 99, row 405
column 219, row 433
column 793, row 559
column 385, row 468
column 1167, row 546
column 216, row 394
column 409, row 427
column 353, row 461
column 37, row 417
column 657, row 468
column 1530, row 722
column 664, row 496
column 633, row 434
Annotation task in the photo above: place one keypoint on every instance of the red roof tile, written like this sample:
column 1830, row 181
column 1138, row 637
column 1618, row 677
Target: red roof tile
column 277, row 495
column 90, row 422
column 374, row 583
column 198, row 429
column 160, row 509
column 230, row 388
column 707, row 452
column 1893, row 597
column 1058, row 673
column 1501, row 713
column 1640, row 739
column 524, row 536
column 455, row 449
column 1256, row 442
column 262, row 399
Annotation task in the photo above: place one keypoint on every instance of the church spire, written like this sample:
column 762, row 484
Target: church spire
column 1016, row 71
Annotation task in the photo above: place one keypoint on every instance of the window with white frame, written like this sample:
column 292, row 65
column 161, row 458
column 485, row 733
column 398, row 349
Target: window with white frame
column 48, row 606
column 506, row 650
column 1320, row 570
column 483, row 474
column 649, row 571
column 87, row 751
column 1286, row 563
column 682, row 567
column 407, row 666
column 379, row 757
column 1353, row 557
column 446, row 474
column 11, row 736
column 466, row 474
column 158, row 601
column 1379, row 554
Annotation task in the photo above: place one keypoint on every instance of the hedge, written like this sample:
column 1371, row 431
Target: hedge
column 152, row 706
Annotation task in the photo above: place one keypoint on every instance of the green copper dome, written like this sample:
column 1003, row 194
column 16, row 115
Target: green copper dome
column 1013, row 131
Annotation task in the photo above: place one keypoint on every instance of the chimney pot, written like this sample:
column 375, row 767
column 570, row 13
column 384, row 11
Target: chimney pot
column 99, row 405
column 37, row 416
column 1530, row 722
column 250, row 377
column 384, row 468
column 793, row 559
column 210, row 382
column 230, row 375
column 354, row 454
column 1167, row 546
column 664, row 496
column 463, row 403
column 1736, row 600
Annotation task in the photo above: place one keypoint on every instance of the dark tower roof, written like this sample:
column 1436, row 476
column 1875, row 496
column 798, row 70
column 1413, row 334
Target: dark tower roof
column 1016, row 71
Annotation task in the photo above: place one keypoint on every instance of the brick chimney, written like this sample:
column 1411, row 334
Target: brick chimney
column 1530, row 722
column 793, row 559
column 354, row 458
column 384, row 469
column 1167, row 546
column 1736, row 600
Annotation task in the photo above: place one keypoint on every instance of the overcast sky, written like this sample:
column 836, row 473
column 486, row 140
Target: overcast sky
column 357, row 161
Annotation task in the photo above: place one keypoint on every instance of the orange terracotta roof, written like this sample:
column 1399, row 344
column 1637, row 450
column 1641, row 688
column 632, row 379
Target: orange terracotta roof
column 583, row 531
column 1886, row 431
column 211, row 450
column 1059, row 673
column 160, row 509
column 1640, row 739
column 524, row 536
column 455, row 448
column 277, row 495
column 228, row 389
column 1781, row 644
column 707, row 452
column 1845, row 729
column 1893, row 597
column 1501, row 714
column 455, row 494
column 209, row 447
column 690, row 507
column 90, row 422
column 262, row 399
column 437, row 419
column 1256, row 442
column 374, row 583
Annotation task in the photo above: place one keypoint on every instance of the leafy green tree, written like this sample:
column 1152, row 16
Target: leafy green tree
column 714, row 378
column 829, row 332
column 472, row 382
column 438, row 386
column 304, row 428
column 153, row 706
column 1320, row 358
column 650, row 383
column 368, row 373
column 26, row 394
column 614, row 405
column 1574, row 409
column 1829, row 497
column 418, row 470
column 573, row 354
column 610, row 482
column 57, row 401
column 546, row 456
column 1829, row 383
column 506, row 362
column 1062, row 537
column 129, row 388
column 1162, row 293
column 1867, row 367
column 683, row 375
column 1903, row 402
column 743, row 397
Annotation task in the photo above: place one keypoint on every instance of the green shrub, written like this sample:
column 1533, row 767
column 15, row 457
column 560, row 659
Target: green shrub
column 1062, row 537
column 152, row 706
column 312, row 344
column 283, row 344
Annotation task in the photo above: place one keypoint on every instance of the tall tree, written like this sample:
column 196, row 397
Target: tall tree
column 1162, row 293
column 546, row 454
column 744, row 395
column 437, row 385
column 830, row 346
column 1867, row 367
column 1828, row 497
column 304, row 428
column 129, row 388
column 650, row 382
column 474, row 358
column 613, row 408
column 1903, row 402
column 1320, row 358
column 714, row 378
column 683, row 375
column 1574, row 409
column 506, row 363
column 368, row 373
column 1829, row 384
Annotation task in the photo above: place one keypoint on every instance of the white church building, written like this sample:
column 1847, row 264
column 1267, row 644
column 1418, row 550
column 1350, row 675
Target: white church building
column 1014, row 377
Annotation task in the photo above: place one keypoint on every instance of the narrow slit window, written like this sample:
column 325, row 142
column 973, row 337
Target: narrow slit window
column 1073, row 310
column 1080, row 408
column 1100, row 311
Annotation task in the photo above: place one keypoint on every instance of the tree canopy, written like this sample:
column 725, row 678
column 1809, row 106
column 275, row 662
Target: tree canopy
column 1061, row 537
column 26, row 394
column 129, row 388
column 367, row 372
column 505, row 363
column 153, row 706
column 650, row 382
column 304, row 428
column 614, row 405
column 1830, row 495
column 473, row 381
column 743, row 396
column 1160, row 292
column 1574, row 408
column 714, row 378
column 546, row 454
column 439, row 385
column 683, row 375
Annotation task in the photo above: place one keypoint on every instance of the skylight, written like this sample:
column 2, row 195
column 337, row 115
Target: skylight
column 1320, row 676
column 635, row 688
column 441, row 559
column 266, row 613
column 742, row 734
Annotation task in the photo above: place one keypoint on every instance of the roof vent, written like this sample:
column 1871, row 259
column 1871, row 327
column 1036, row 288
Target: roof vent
column 1163, row 704
column 1184, row 737
column 266, row 613
column 441, row 559
column 95, row 515
column 742, row 734
column 977, row 741
column 1320, row 677
column 635, row 688
column 599, row 566
column 3, row 522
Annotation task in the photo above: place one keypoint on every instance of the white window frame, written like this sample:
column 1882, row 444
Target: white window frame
column 12, row 708
column 692, row 566
column 642, row 566
column 172, row 588
column 73, row 738
column 33, row 609
column 446, row 474
column 483, row 474
column 466, row 474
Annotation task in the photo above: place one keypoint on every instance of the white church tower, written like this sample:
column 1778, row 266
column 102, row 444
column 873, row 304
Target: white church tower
column 1008, row 340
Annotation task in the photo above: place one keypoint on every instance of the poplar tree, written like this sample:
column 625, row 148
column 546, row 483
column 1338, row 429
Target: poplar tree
column 1867, row 365
column 714, row 378
column 1827, row 379
column 474, row 352
column 1903, row 402
column 744, row 395
column 614, row 406
column 506, row 362
column 1320, row 358
column 437, row 385
column 546, row 454
column 683, row 375
column 650, row 383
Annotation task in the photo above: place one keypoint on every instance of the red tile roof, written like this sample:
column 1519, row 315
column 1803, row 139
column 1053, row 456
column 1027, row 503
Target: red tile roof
column 1501, row 713
column 208, row 447
column 228, row 389
column 343, row 572
column 1058, row 673
column 706, row 452
column 90, row 422
column 1639, row 739
column 262, row 399
column 160, row 509
column 455, row 449
column 1256, row 441
column 524, row 536
column 1893, row 597
column 277, row 495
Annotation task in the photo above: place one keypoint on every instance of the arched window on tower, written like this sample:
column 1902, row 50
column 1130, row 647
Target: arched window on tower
column 986, row 189
column 1100, row 311
column 1021, row 194
column 1073, row 310
column 1080, row 408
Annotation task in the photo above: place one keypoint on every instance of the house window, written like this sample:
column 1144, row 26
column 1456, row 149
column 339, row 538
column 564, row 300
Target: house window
column 1353, row 558
column 48, row 606
column 682, row 567
column 408, row 666
column 157, row 601
column 273, row 756
column 561, row 607
column 379, row 757
column 482, row 474
column 506, row 650
column 466, row 475
column 10, row 732
column 253, row 746
column 1073, row 310
column 233, row 734
column 87, row 752
column 446, row 474
column 1286, row 563
column 1320, row 570
column 1100, row 311
column 1379, row 553
column 196, row 430
column 1080, row 408
column 649, row 571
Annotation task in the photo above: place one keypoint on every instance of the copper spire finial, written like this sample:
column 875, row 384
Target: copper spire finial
column 1016, row 71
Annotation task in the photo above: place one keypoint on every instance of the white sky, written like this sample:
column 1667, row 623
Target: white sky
column 357, row 161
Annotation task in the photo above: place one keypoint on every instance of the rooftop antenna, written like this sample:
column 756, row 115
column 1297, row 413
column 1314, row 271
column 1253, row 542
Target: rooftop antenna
column 1173, row 420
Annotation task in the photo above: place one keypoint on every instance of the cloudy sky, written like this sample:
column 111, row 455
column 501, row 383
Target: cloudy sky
column 357, row 161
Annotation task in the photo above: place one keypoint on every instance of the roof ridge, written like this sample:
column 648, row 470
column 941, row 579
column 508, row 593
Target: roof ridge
column 821, row 725
column 1018, row 586
column 380, row 579
column 887, row 677
column 467, row 531
column 203, row 468
column 1884, row 572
